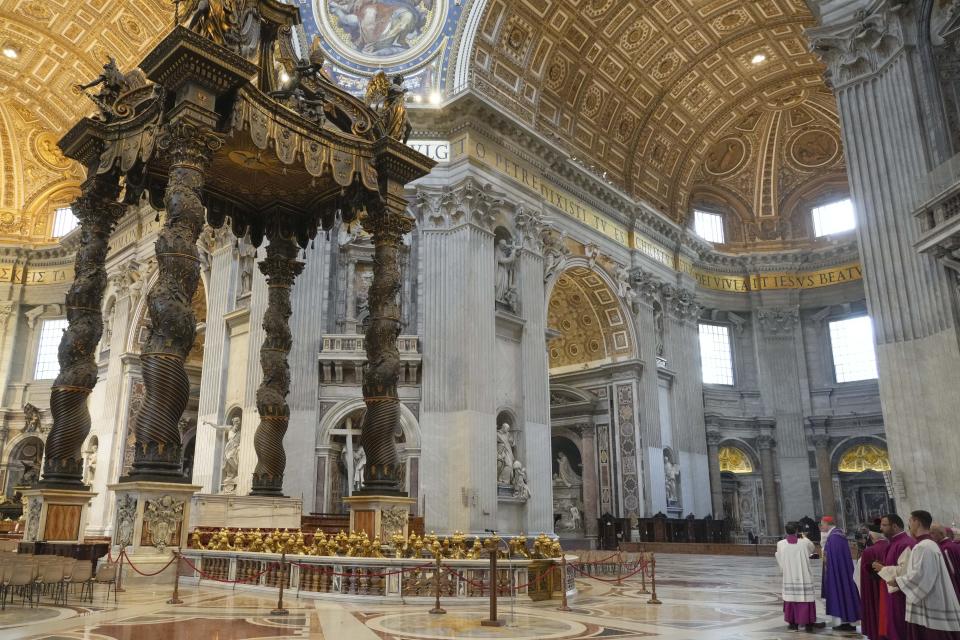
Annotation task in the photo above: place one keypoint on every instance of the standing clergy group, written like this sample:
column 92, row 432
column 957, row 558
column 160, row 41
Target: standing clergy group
column 909, row 584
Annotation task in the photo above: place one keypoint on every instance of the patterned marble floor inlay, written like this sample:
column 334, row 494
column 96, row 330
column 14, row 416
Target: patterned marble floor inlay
column 704, row 598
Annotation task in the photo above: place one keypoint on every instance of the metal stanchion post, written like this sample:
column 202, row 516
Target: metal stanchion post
column 119, row 586
column 493, row 621
column 653, row 581
column 437, row 609
column 643, row 574
column 619, row 569
column 563, row 585
column 175, row 599
column 280, row 611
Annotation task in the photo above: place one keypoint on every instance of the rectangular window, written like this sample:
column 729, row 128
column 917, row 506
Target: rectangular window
column 716, row 355
column 834, row 217
column 708, row 226
column 47, row 365
column 854, row 356
column 64, row 222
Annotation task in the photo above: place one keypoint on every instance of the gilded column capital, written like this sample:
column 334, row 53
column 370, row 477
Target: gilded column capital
column 778, row 322
column 187, row 145
column 858, row 47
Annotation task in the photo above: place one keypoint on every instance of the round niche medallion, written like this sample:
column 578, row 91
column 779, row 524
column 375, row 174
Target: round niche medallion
column 726, row 156
column 384, row 33
column 814, row 149
column 45, row 146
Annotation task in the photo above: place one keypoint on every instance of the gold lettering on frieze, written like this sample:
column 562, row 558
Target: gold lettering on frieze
column 775, row 281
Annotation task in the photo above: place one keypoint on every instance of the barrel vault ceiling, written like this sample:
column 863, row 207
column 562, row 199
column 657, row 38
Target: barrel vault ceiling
column 679, row 102
column 57, row 44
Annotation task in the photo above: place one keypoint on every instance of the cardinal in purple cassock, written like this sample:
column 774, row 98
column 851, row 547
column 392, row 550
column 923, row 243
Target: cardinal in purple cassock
column 838, row 587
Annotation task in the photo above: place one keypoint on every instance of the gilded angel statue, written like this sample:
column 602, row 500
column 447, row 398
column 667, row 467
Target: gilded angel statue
column 388, row 98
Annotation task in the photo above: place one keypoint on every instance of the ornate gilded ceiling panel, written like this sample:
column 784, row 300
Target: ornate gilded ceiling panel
column 589, row 319
column 643, row 92
column 48, row 47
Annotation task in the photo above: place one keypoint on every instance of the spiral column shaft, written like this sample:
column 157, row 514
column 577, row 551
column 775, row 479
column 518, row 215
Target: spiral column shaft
column 281, row 268
column 158, row 451
column 98, row 211
column 387, row 226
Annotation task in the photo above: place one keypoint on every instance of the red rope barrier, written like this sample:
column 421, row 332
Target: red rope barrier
column 246, row 580
column 539, row 578
column 618, row 579
column 478, row 585
column 123, row 554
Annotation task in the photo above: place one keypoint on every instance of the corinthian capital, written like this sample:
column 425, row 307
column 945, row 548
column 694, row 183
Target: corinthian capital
column 681, row 303
column 530, row 226
column 862, row 41
column 465, row 203
column 778, row 321
column 645, row 285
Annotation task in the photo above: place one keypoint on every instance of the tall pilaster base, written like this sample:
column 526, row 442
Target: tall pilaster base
column 380, row 516
column 56, row 515
column 151, row 522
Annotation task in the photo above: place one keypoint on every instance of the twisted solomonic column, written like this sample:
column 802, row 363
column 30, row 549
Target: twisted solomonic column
column 387, row 226
column 158, row 453
column 98, row 211
column 281, row 268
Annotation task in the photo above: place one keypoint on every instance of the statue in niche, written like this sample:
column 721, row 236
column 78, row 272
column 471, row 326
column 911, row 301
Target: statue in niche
column 671, row 474
column 107, row 329
column 658, row 326
column 231, row 458
column 506, row 288
column 575, row 517
column 90, row 468
column 248, row 254
column 31, row 419
column 566, row 476
column 506, row 455
column 520, row 488
column 363, row 293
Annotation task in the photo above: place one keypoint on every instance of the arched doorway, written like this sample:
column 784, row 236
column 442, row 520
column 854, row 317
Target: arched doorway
column 860, row 465
column 742, row 488
column 340, row 456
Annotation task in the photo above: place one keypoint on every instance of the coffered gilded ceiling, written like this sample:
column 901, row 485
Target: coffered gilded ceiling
column 668, row 98
column 57, row 44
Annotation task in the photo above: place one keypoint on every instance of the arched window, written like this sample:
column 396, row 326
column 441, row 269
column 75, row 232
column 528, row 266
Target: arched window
column 708, row 226
column 865, row 457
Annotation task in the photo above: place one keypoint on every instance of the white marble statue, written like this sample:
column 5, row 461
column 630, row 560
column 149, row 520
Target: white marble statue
column 506, row 290
column 671, row 473
column 506, row 455
column 576, row 519
column 231, row 458
column 520, row 488
column 90, row 469
column 359, row 462
column 565, row 473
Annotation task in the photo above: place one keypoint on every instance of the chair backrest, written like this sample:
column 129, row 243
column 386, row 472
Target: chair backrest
column 67, row 567
column 51, row 572
column 22, row 574
column 82, row 571
column 107, row 572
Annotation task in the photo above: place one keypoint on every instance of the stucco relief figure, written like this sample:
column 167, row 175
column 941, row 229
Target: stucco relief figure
column 248, row 254
column 126, row 516
column 671, row 474
column 565, row 473
column 231, row 458
column 383, row 28
column 506, row 288
column 624, row 289
column 31, row 419
column 90, row 468
column 506, row 455
column 658, row 325
column 359, row 462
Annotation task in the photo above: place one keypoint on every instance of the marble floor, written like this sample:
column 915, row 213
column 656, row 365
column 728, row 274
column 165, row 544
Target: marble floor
column 704, row 598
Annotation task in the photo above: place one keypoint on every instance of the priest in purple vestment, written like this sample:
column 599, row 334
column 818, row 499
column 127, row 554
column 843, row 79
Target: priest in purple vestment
column 943, row 536
column 838, row 587
column 873, row 589
column 892, row 527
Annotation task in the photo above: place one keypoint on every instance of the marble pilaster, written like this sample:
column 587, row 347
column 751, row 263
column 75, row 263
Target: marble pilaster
column 714, row 438
column 646, row 293
column 892, row 126
column 780, row 354
column 591, row 492
column 828, row 502
column 765, row 444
